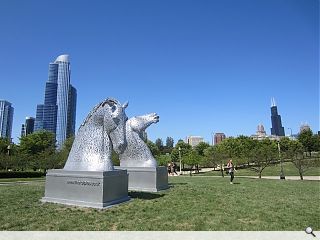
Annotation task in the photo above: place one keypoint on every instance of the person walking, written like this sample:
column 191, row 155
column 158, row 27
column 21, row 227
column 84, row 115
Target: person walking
column 169, row 169
column 231, row 170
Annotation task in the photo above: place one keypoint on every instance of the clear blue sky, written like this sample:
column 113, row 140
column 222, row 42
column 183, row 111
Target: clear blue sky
column 203, row 66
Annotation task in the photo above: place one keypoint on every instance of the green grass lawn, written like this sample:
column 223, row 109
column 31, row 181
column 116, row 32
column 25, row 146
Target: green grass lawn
column 191, row 203
column 274, row 170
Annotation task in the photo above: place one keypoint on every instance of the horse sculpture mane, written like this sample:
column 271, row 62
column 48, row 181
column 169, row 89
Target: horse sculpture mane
column 137, row 153
column 101, row 131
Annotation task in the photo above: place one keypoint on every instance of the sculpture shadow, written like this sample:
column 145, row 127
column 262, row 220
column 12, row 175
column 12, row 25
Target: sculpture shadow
column 145, row 195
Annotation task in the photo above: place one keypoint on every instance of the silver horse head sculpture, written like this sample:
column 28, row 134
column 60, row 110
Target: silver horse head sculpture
column 137, row 153
column 104, row 129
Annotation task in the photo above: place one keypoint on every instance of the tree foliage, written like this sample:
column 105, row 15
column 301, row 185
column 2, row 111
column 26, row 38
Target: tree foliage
column 169, row 142
column 159, row 143
column 153, row 148
column 262, row 155
column 308, row 141
column 38, row 142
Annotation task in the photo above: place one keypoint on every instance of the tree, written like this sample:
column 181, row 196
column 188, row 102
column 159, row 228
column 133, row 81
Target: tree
column 37, row 148
column 4, row 143
column 38, row 142
column 216, row 155
column 239, row 149
column 159, row 143
column 163, row 160
column 185, row 148
column 192, row 159
column 263, row 155
column 200, row 148
column 169, row 142
column 153, row 148
column 168, row 147
column 293, row 150
column 308, row 141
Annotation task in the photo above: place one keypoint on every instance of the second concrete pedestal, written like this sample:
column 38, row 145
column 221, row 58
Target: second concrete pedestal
column 147, row 179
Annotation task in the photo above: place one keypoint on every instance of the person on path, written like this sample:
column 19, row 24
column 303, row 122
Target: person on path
column 231, row 170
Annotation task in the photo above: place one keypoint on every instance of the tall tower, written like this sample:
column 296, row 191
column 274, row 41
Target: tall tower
column 6, row 119
column 277, row 128
column 58, row 113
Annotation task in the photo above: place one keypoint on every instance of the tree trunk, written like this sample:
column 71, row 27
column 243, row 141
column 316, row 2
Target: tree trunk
column 222, row 174
column 300, row 173
column 259, row 174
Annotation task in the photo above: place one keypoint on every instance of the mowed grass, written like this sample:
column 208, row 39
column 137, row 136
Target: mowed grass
column 191, row 203
column 273, row 170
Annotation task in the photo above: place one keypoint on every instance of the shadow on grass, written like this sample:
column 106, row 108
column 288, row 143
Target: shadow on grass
column 145, row 195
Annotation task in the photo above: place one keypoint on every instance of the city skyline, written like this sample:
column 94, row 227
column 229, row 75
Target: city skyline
column 204, row 67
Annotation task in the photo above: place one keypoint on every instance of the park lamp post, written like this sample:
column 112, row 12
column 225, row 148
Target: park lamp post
column 282, row 176
column 290, row 133
column 180, row 158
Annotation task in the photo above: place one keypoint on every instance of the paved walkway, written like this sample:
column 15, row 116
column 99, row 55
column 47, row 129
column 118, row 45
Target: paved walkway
column 311, row 178
column 308, row 178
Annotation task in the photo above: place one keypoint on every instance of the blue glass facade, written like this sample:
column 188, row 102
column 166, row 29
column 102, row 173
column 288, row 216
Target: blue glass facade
column 62, row 101
column 6, row 119
column 72, row 111
column 276, row 124
column 58, row 112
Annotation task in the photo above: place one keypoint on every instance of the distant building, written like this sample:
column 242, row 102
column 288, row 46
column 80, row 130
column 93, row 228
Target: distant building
column 6, row 119
column 277, row 129
column 304, row 127
column 27, row 127
column 260, row 134
column 194, row 140
column 218, row 138
column 58, row 113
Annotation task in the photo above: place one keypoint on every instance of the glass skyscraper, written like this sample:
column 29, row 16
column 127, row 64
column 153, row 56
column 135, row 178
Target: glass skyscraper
column 277, row 128
column 28, row 127
column 6, row 119
column 58, row 113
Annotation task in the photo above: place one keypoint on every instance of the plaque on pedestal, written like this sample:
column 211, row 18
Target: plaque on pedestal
column 97, row 189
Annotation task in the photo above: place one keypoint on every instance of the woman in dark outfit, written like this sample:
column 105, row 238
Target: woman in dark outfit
column 231, row 170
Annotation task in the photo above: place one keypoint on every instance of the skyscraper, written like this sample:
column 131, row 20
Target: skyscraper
column 6, row 119
column 277, row 128
column 58, row 113
column 27, row 127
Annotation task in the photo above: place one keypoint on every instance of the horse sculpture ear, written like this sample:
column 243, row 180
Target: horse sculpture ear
column 125, row 105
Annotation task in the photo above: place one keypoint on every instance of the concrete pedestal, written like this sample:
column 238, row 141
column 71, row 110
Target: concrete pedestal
column 86, row 188
column 144, row 179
